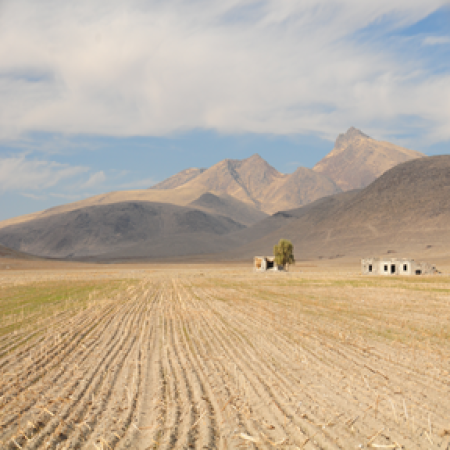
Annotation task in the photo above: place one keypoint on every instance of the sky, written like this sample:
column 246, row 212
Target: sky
column 100, row 96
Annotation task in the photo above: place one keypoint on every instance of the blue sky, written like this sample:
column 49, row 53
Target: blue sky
column 100, row 96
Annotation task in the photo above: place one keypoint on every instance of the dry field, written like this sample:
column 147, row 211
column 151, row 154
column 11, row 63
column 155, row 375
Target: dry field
column 208, row 358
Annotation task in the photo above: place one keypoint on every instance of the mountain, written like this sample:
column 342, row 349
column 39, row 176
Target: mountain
column 255, row 182
column 6, row 252
column 228, row 206
column 179, row 179
column 404, row 212
column 246, row 179
column 300, row 188
column 256, row 234
column 96, row 230
column 356, row 159
column 251, row 188
column 238, row 211
column 248, row 190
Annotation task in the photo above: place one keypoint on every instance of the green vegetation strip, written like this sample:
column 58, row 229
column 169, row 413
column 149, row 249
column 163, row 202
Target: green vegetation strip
column 21, row 306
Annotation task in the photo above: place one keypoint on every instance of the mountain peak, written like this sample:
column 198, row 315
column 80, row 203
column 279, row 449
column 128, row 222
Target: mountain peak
column 351, row 134
column 255, row 157
column 356, row 159
column 256, row 161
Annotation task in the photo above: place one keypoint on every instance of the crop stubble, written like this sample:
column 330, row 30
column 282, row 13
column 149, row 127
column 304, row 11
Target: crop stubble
column 183, row 359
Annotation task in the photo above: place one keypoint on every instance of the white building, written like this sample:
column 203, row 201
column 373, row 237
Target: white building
column 394, row 266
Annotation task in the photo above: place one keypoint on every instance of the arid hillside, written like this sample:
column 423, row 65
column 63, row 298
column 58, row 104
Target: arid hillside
column 240, row 212
column 405, row 211
column 179, row 178
column 247, row 190
column 228, row 206
column 153, row 228
column 356, row 159
column 255, row 182
column 6, row 252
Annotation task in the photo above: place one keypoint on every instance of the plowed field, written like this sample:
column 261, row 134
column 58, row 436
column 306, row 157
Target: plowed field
column 210, row 359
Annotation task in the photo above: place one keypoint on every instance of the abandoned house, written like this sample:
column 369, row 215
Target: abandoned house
column 393, row 266
column 263, row 263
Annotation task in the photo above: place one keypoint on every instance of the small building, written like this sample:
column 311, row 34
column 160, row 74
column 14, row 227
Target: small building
column 394, row 266
column 264, row 263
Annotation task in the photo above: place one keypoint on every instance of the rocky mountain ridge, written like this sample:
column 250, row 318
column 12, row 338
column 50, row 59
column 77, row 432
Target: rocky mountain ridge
column 355, row 161
column 247, row 190
column 406, row 211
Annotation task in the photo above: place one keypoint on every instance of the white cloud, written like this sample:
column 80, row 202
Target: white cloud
column 94, row 180
column 436, row 40
column 20, row 174
column 70, row 197
column 151, row 68
column 33, row 196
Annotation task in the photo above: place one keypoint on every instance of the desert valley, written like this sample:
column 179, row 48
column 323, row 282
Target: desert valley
column 134, row 319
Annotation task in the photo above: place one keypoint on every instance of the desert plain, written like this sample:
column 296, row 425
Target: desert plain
column 205, row 356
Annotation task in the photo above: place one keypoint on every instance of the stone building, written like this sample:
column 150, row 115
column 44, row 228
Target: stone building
column 263, row 263
column 394, row 266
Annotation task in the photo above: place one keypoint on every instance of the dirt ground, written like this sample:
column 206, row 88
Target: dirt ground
column 200, row 356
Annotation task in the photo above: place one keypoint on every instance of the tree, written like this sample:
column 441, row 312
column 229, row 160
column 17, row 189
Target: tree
column 284, row 253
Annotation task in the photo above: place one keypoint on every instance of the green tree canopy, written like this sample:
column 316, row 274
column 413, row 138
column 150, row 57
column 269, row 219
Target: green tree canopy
column 284, row 253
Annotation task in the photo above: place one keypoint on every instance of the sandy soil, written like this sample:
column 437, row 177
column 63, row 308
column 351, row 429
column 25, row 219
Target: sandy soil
column 199, row 357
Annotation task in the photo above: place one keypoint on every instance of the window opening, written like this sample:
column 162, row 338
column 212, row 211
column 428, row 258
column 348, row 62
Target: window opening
column 418, row 272
column 405, row 267
column 370, row 267
column 385, row 268
column 270, row 264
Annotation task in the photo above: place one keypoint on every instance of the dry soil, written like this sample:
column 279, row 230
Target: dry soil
column 149, row 357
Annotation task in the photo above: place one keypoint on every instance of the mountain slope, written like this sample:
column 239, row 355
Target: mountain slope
column 6, row 252
column 236, row 210
column 245, row 180
column 256, row 182
column 356, row 159
column 180, row 197
column 300, row 188
column 406, row 211
column 245, row 190
column 106, row 228
column 228, row 206
column 179, row 179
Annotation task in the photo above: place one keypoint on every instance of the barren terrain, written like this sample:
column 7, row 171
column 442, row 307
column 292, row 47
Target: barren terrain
column 356, row 159
column 154, row 357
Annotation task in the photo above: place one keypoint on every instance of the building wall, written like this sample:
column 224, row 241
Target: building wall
column 405, row 267
column 370, row 266
column 263, row 262
column 393, row 266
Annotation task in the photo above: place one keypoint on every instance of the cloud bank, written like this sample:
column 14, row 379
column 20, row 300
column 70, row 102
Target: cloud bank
column 21, row 174
column 272, row 66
